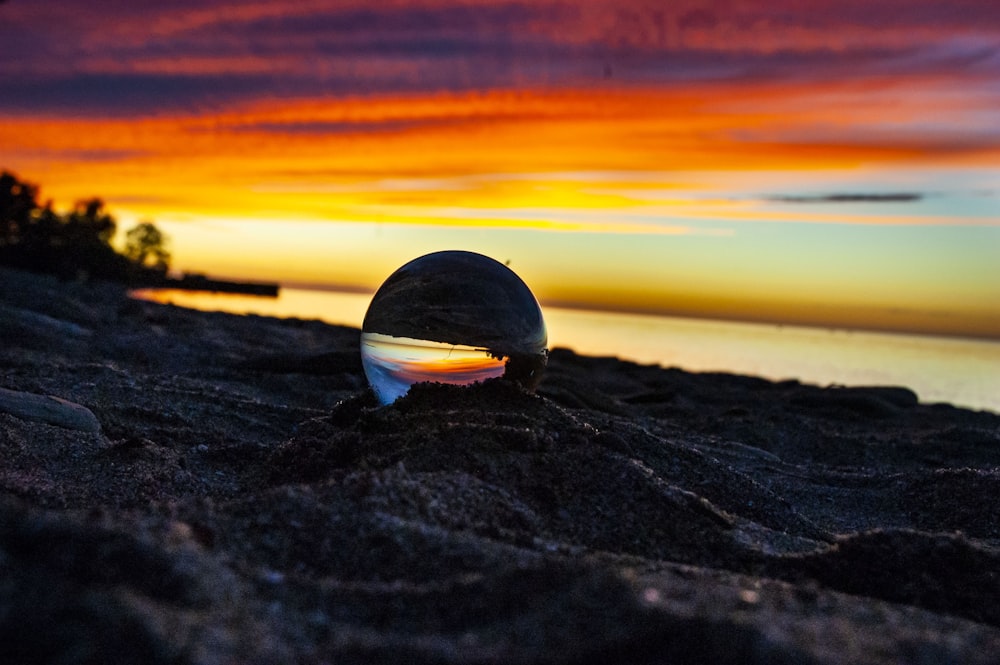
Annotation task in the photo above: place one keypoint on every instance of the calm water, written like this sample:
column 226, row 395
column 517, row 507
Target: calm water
column 963, row 372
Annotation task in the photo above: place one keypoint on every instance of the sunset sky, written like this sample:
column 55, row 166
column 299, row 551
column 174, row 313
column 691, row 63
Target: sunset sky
column 827, row 163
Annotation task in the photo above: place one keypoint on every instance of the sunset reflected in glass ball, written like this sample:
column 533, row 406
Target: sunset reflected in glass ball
column 452, row 317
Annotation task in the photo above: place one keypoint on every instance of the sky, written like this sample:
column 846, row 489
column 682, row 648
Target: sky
column 821, row 163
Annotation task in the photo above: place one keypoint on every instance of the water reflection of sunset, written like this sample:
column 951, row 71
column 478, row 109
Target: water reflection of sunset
column 393, row 364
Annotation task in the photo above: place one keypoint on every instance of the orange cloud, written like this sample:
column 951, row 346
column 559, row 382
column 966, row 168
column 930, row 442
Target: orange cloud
column 362, row 158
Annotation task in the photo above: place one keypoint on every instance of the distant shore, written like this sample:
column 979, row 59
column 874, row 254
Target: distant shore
column 199, row 282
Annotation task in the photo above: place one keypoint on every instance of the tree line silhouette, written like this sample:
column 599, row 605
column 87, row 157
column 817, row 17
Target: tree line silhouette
column 77, row 244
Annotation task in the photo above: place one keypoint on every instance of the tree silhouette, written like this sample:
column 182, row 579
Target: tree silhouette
column 145, row 245
column 78, row 244
column 18, row 203
column 90, row 223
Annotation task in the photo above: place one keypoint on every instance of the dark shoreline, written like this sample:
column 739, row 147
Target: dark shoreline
column 244, row 500
column 936, row 386
column 197, row 282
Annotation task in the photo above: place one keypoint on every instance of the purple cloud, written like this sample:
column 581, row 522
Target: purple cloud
column 121, row 57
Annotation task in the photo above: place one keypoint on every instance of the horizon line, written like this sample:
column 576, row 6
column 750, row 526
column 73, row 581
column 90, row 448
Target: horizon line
column 580, row 306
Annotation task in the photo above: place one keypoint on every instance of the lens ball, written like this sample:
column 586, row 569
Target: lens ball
column 452, row 317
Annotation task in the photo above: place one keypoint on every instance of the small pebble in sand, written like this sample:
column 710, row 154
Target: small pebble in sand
column 48, row 409
column 452, row 317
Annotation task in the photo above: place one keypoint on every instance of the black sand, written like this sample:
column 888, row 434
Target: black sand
column 246, row 502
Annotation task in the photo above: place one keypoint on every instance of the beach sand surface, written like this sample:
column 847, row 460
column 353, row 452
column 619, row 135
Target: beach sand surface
column 244, row 500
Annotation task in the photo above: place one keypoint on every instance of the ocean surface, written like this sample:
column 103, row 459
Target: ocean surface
column 963, row 372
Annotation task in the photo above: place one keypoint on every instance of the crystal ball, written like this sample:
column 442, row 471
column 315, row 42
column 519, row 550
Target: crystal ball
column 452, row 317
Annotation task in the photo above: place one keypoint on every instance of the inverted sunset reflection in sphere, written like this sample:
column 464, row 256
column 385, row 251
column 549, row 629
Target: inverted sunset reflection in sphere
column 452, row 317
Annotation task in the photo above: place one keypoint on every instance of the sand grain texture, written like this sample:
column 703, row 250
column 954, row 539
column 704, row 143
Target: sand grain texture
column 245, row 501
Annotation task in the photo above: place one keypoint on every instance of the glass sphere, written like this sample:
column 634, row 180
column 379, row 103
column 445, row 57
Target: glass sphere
column 452, row 317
